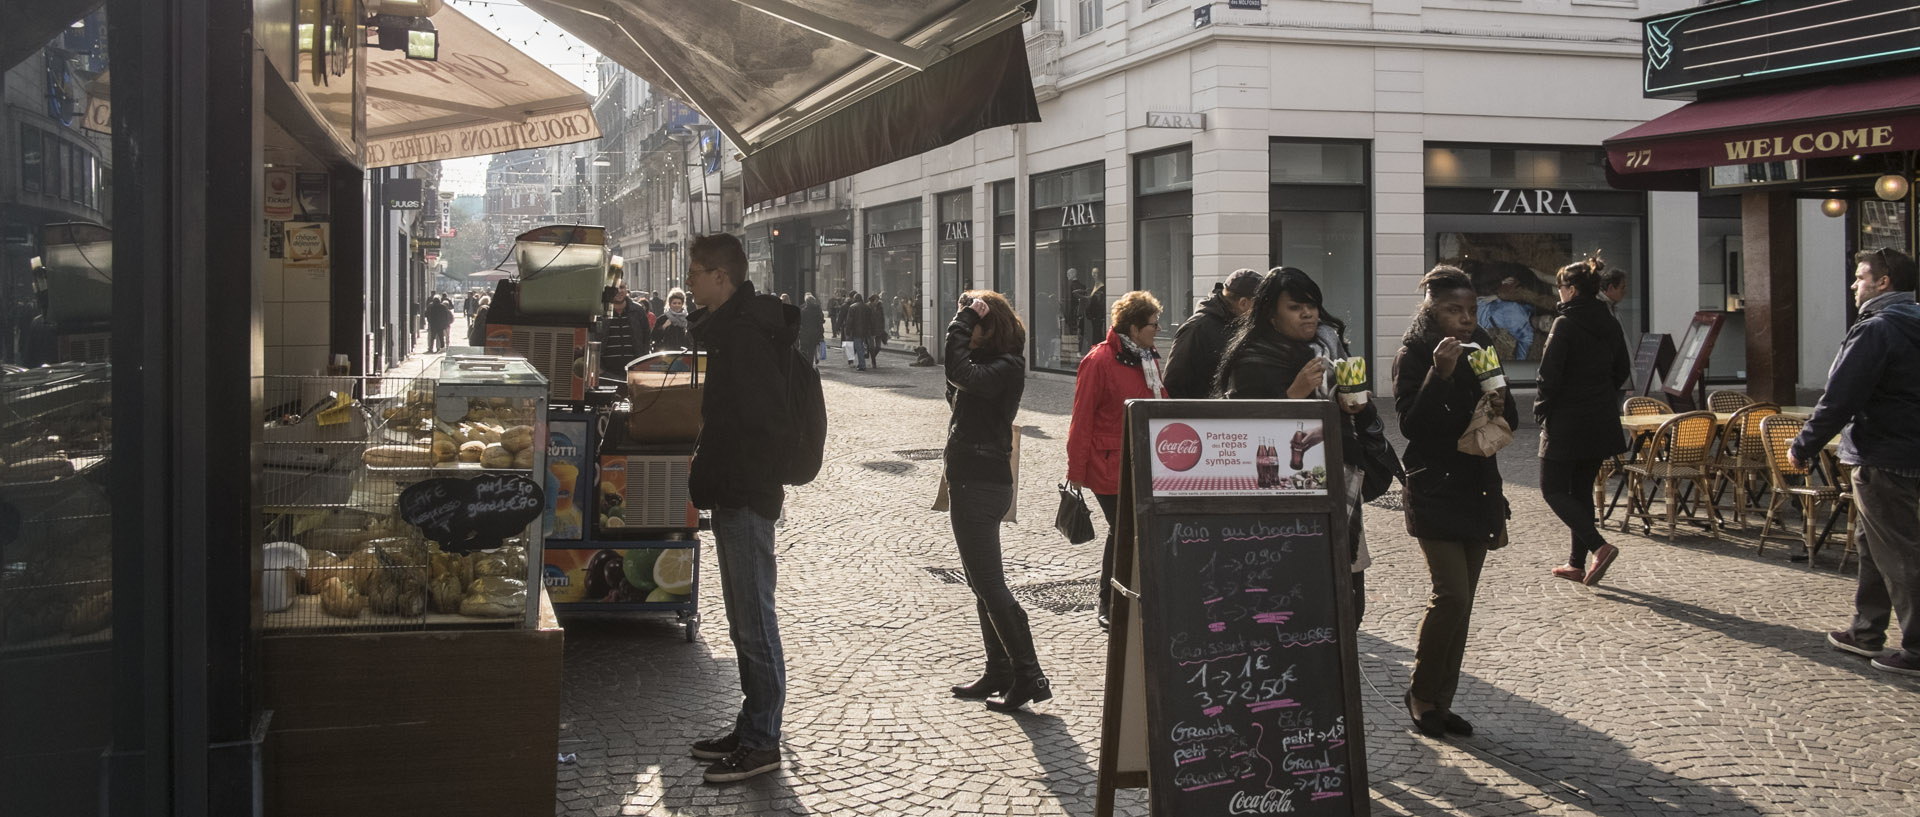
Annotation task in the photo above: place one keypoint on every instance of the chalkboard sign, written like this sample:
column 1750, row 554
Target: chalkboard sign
column 1689, row 370
column 1250, row 669
column 1244, row 661
column 472, row 514
column 1650, row 364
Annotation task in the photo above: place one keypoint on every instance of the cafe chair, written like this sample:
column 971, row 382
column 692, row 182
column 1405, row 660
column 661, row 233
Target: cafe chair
column 1676, row 461
column 1726, row 400
column 1742, row 458
column 1790, row 483
column 1842, row 479
column 1633, row 407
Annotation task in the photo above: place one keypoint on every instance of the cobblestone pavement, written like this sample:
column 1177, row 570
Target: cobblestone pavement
column 1695, row 682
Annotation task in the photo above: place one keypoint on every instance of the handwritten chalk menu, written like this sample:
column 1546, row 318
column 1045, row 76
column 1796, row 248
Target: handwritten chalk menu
column 472, row 514
column 1248, row 688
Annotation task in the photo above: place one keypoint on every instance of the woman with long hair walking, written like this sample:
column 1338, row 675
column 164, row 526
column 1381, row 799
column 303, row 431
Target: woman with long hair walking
column 1581, row 370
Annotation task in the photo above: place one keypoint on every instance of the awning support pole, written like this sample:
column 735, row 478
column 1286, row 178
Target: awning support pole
column 1770, row 238
column 850, row 34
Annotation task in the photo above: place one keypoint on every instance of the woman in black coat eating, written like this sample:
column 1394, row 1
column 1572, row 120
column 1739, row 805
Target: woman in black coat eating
column 1454, row 503
column 1278, row 351
column 985, row 377
column 1580, row 375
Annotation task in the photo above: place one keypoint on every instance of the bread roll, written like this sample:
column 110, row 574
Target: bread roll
column 496, row 456
column 471, row 452
column 397, row 456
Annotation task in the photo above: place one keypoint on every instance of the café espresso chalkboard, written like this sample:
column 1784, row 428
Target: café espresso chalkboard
column 1248, row 689
column 472, row 514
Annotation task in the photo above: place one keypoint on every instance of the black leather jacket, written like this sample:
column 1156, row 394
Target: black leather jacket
column 984, row 391
column 743, row 411
column 1197, row 347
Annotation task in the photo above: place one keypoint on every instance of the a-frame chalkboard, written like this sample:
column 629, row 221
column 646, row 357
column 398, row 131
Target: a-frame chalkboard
column 1250, row 669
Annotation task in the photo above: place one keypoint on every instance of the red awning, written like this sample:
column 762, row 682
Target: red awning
column 1872, row 116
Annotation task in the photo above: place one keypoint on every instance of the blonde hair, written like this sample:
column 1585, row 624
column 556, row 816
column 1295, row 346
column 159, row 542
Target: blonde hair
column 1134, row 309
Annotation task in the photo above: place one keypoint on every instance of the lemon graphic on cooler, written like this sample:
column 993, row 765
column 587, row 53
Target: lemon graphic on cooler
column 673, row 571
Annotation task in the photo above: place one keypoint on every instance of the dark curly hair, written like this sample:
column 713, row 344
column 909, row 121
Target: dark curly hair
column 1443, row 279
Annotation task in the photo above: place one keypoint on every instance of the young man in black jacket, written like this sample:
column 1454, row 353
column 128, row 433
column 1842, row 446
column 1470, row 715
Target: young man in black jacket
column 1873, row 402
column 745, row 417
column 1203, row 338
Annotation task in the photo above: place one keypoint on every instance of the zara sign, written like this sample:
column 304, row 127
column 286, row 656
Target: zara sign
column 1534, row 202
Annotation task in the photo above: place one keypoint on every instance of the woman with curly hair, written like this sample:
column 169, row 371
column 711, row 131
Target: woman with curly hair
column 1123, row 367
column 1455, row 506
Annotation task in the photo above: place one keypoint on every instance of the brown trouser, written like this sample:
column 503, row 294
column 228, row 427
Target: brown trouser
column 1455, row 567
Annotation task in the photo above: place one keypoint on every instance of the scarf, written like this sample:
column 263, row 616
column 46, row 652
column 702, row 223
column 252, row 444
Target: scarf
column 1149, row 364
column 677, row 318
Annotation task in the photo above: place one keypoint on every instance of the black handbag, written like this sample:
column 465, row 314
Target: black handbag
column 1073, row 520
column 1379, row 462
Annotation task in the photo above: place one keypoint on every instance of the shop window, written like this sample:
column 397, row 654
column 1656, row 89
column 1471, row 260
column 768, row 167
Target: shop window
column 32, row 159
column 1069, row 254
column 955, row 273
column 1721, row 270
column 1318, row 222
column 1512, row 238
column 893, row 247
column 1163, row 234
column 1005, row 248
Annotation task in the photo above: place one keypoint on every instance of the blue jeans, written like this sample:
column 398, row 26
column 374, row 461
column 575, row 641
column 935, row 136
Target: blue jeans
column 860, row 352
column 744, row 542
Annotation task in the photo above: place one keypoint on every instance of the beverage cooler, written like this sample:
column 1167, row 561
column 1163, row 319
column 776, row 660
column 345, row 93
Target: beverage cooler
column 621, row 532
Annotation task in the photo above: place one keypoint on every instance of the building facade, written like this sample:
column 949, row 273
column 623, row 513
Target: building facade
column 1363, row 142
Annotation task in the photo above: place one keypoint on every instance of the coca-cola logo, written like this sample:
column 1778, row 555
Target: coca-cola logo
column 1177, row 446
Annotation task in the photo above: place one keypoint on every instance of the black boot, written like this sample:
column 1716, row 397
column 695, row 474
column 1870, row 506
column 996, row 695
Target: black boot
column 999, row 674
column 1028, row 682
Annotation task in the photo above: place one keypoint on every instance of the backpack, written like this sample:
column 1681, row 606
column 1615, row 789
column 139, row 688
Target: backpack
column 806, row 446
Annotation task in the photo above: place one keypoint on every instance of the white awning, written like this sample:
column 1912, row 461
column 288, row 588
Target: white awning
column 482, row 96
column 813, row 90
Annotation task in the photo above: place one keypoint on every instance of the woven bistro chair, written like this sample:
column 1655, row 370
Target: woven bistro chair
column 1675, row 459
column 1727, row 400
column 1843, row 479
column 1790, row 483
column 1633, row 407
column 1742, row 458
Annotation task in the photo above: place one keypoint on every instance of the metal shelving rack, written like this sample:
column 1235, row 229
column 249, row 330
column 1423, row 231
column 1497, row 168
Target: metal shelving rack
column 319, row 491
column 56, row 548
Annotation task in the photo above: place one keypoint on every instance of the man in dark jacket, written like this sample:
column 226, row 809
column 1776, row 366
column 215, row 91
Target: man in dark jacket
column 624, row 334
column 745, row 417
column 1201, row 340
column 439, row 317
column 1874, row 384
column 813, row 329
column 853, row 326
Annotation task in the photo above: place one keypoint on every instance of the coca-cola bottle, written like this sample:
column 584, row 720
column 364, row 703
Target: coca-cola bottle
column 1260, row 465
column 1300, row 447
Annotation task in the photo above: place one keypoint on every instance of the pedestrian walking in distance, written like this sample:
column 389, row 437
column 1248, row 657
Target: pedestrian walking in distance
column 1581, row 370
column 1279, row 351
column 1123, row 367
column 813, row 329
column 670, row 331
column 625, row 333
column 1873, row 402
column 1198, row 344
column 857, row 321
column 986, row 375
column 876, row 329
column 1455, row 507
column 744, row 415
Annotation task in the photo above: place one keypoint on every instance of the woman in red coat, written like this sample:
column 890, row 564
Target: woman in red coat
column 1123, row 367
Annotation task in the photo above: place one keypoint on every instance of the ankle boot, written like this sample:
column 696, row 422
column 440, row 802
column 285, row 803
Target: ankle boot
column 999, row 674
column 1029, row 684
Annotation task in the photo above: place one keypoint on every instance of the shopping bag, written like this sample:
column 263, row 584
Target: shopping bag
column 1487, row 432
column 942, row 502
column 1073, row 520
column 847, row 346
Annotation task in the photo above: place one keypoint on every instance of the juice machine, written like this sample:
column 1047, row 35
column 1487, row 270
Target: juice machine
column 74, row 292
column 547, row 316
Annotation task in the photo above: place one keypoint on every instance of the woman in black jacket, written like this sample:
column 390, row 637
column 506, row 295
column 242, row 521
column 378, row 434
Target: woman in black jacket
column 1454, row 503
column 1580, row 374
column 1278, row 351
column 985, row 377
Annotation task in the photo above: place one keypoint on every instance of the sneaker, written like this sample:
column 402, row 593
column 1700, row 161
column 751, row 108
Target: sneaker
column 742, row 764
column 1844, row 641
column 1602, row 559
column 717, row 748
column 1897, row 661
column 1570, row 573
